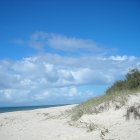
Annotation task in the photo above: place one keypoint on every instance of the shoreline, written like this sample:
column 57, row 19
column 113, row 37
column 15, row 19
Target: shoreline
column 25, row 108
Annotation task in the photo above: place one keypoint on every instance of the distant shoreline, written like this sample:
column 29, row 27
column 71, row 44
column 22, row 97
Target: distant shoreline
column 24, row 108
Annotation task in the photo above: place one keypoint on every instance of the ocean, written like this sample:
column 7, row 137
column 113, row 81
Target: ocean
column 23, row 108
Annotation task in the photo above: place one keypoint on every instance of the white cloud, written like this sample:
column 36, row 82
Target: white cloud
column 55, row 77
column 50, row 77
column 71, row 44
column 119, row 58
column 41, row 96
column 45, row 41
column 14, row 95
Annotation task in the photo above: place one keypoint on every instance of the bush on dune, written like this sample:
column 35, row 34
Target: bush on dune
column 130, row 83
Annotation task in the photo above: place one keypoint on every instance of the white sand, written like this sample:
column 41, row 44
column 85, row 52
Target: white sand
column 50, row 124
column 38, row 125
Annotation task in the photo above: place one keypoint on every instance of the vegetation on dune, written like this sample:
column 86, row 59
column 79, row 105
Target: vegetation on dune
column 116, row 93
column 133, row 111
column 130, row 83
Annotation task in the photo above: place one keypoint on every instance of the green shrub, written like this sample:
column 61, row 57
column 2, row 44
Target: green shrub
column 133, row 79
column 130, row 83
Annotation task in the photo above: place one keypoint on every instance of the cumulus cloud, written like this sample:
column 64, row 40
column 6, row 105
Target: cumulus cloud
column 51, row 77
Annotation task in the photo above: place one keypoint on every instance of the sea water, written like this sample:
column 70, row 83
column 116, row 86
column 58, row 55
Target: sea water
column 23, row 108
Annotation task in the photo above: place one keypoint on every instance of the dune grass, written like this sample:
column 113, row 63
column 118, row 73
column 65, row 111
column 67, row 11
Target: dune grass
column 118, row 92
column 92, row 106
column 134, row 112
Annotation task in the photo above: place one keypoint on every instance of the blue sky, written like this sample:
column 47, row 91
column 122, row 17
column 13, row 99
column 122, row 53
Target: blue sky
column 66, row 51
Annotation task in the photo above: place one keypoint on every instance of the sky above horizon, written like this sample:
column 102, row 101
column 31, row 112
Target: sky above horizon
column 65, row 51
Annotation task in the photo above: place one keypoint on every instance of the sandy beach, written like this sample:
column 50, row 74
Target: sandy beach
column 40, row 124
column 54, row 124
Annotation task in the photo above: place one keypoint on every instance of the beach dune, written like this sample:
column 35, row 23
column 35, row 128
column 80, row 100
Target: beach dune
column 55, row 124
